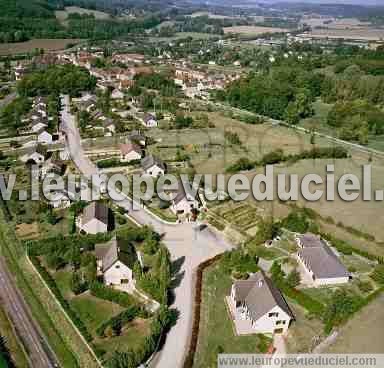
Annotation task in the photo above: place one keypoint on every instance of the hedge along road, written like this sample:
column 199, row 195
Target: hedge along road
column 188, row 248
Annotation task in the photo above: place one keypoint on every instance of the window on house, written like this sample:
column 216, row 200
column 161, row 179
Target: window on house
column 281, row 322
column 117, row 266
column 273, row 314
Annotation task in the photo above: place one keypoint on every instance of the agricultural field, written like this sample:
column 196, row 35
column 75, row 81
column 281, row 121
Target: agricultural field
column 254, row 30
column 32, row 45
column 366, row 34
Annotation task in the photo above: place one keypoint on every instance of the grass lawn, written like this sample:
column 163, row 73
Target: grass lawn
column 268, row 253
column 361, row 265
column 132, row 337
column 216, row 329
column 94, row 311
column 12, row 342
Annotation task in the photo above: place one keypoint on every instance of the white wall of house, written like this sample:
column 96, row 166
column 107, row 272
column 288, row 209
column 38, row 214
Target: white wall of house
column 44, row 137
column 133, row 155
column 274, row 320
column 118, row 274
column 93, row 227
column 154, row 171
column 151, row 123
column 184, row 206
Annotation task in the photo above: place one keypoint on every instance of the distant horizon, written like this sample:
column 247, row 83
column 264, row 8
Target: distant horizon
column 338, row 2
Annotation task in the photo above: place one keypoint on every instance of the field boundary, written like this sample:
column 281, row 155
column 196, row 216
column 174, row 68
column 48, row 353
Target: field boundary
column 65, row 313
column 190, row 355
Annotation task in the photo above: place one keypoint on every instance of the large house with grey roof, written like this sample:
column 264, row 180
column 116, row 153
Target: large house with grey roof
column 115, row 260
column 94, row 219
column 320, row 262
column 257, row 306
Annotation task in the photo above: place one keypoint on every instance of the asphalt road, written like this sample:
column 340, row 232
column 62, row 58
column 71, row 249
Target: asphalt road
column 188, row 248
column 39, row 353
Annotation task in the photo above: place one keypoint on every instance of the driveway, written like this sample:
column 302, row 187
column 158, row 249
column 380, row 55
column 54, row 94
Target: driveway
column 188, row 248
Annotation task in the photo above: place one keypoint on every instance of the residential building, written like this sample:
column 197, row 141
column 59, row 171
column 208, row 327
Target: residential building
column 150, row 121
column 33, row 156
column 320, row 262
column 184, row 202
column 94, row 219
column 153, row 166
column 130, row 152
column 257, row 306
column 115, row 260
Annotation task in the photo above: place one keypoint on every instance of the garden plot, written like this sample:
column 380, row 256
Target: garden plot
column 243, row 217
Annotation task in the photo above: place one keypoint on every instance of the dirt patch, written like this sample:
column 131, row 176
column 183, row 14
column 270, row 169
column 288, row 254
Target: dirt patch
column 27, row 231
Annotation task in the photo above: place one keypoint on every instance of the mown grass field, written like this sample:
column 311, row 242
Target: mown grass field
column 363, row 333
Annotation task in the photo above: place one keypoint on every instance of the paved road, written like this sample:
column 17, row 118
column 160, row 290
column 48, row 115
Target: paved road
column 188, row 248
column 38, row 351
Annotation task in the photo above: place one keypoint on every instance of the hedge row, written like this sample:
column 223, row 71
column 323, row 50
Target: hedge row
column 311, row 305
column 47, row 245
column 102, row 291
column 197, row 309
column 347, row 249
column 53, row 287
column 124, row 317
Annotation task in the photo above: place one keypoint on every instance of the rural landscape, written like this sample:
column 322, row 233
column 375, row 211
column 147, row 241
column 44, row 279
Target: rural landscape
column 210, row 94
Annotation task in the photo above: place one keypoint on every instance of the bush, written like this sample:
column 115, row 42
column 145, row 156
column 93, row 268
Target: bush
column 101, row 291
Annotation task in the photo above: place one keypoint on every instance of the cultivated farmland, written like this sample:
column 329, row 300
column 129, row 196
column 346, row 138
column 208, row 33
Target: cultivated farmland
column 253, row 30
column 31, row 45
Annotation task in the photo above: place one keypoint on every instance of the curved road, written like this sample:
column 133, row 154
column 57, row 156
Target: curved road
column 187, row 246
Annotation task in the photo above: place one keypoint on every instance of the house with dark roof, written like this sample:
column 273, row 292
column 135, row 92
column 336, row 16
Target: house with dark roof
column 115, row 260
column 184, row 201
column 257, row 306
column 153, row 166
column 94, row 219
column 150, row 120
column 319, row 261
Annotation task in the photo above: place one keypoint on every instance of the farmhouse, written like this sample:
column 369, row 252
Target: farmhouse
column 320, row 262
column 115, row 261
column 130, row 152
column 95, row 219
column 257, row 306
column 153, row 166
